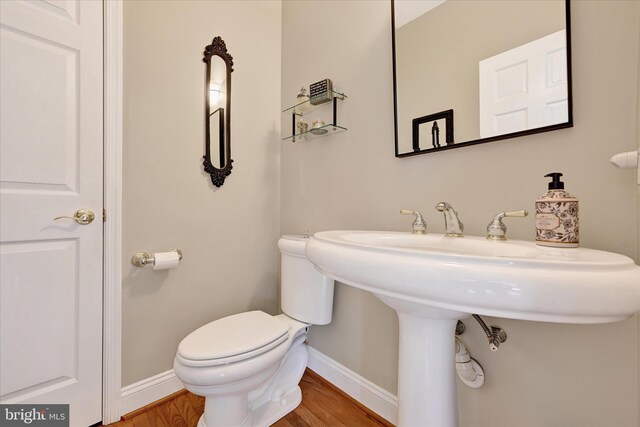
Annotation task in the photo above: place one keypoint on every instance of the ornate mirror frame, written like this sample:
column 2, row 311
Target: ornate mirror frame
column 218, row 175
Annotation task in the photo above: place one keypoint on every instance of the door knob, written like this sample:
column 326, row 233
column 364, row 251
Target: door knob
column 81, row 216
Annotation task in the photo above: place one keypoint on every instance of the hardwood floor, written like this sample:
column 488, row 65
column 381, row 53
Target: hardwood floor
column 323, row 404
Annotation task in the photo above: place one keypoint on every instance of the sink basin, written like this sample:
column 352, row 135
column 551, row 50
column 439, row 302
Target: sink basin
column 432, row 281
column 511, row 278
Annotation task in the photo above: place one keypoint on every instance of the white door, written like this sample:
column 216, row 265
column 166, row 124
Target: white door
column 51, row 165
column 525, row 87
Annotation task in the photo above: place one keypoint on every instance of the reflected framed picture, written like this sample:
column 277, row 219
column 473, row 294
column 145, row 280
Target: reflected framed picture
column 428, row 131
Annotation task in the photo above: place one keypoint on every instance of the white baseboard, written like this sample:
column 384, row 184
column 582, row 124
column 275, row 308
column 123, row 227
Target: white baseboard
column 374, row 397
column 364, row 391
column 147, row 391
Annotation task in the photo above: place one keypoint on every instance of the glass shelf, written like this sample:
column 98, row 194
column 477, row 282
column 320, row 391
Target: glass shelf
column 305, row 107
column 328, row 129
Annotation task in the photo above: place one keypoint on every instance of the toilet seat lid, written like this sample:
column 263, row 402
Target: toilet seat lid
column 236, row 335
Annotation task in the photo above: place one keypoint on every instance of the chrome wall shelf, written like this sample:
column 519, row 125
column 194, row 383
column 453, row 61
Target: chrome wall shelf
column 304, row 108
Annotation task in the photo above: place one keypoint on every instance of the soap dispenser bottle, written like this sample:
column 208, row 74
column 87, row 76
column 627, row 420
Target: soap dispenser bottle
column 557, row 216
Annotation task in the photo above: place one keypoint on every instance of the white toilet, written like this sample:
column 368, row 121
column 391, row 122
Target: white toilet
column 248, row 365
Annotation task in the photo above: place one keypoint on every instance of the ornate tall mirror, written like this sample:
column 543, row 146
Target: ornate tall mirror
column 473, row 71
column 217, row 159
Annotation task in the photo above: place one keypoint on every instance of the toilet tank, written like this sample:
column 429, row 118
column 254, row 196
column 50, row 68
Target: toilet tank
column 305, row 293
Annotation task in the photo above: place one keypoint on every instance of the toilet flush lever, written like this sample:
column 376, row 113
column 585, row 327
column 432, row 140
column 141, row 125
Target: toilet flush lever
column 419, row 225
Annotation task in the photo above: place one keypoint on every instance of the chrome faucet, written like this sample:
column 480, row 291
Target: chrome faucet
column 452, row 223
column 496, row 230
column 419, row 225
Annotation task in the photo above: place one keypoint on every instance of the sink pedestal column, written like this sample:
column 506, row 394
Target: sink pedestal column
column 426, row 371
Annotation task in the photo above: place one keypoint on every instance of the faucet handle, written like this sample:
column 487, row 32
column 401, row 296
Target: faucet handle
column 419, row 225
column 496, row 230
column 515, row 213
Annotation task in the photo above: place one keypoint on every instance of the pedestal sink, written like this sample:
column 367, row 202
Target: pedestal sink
column 432, row 281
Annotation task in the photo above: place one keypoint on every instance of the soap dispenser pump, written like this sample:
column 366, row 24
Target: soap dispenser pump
column 557, row 216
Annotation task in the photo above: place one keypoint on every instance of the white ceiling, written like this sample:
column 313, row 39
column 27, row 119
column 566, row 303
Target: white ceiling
column 408, row 10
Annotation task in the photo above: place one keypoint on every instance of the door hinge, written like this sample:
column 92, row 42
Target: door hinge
column 104, row 215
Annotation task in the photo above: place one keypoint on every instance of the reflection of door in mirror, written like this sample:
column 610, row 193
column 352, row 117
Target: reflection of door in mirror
column 525, row 87
column 439, row 54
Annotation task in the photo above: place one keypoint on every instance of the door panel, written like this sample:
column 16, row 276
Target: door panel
column 22, row 287
column 43, row 109
column 525, row 87
column 50, row 166
column 65, row 8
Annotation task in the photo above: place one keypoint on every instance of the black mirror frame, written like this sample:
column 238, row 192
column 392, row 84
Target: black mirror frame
column 218, row 175
column 567, row 124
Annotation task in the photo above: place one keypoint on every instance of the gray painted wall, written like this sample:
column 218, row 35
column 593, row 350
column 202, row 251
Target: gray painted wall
column 228, row 235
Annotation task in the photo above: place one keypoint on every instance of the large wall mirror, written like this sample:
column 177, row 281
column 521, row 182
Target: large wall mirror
column 217, row 158
column 474, row 71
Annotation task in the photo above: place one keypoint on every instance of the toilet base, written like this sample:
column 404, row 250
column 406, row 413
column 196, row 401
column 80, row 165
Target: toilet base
column 270, row 411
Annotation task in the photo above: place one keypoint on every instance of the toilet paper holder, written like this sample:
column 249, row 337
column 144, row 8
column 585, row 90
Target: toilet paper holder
column 140, row 259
